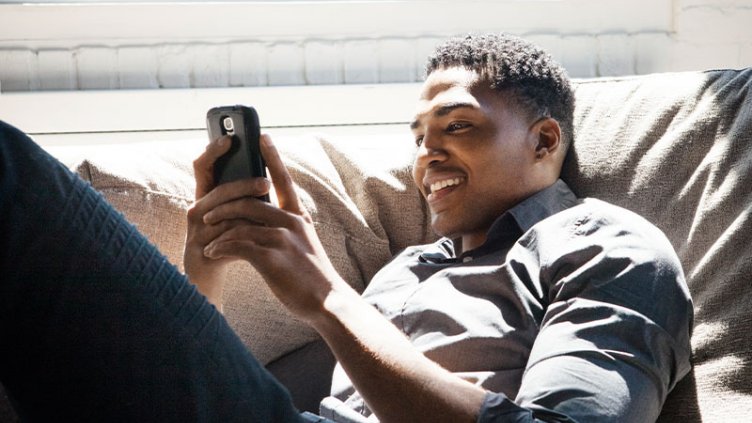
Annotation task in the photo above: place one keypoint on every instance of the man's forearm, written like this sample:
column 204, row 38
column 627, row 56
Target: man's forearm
column 211, row 288
column 209, row 280
column 398, row 382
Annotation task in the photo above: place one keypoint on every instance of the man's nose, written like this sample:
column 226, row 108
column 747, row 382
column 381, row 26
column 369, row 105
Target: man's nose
column 431, row 151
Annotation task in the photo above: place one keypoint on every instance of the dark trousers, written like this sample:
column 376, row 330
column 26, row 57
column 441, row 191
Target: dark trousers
column 96, row 325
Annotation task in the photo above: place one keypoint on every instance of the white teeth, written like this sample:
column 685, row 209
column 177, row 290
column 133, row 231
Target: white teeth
column 445, row 183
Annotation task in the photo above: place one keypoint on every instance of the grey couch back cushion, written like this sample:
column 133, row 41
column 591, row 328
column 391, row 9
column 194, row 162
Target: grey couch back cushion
column 677, row 148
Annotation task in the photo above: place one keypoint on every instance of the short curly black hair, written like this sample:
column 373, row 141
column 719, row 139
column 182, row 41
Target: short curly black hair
column 534, row 81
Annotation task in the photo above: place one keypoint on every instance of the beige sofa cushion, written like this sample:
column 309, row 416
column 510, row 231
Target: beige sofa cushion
column 677, row 148
column 359, row 193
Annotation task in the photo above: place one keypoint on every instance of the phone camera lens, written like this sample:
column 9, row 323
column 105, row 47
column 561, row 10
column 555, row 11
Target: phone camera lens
column 227, row 123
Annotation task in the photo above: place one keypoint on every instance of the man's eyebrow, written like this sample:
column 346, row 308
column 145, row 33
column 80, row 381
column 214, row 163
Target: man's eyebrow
column 444, row 110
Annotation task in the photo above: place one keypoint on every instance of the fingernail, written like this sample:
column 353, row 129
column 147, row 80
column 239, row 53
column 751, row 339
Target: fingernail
column 221, row 141
column 208, row 250
column 207, row 217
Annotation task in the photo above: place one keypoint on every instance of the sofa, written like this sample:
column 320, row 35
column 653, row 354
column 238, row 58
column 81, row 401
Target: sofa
column 673, row 147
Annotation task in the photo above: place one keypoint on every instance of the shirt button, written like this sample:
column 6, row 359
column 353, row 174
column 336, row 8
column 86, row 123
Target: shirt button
column 467, row 259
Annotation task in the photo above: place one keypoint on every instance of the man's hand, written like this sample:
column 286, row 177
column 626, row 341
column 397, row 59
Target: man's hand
column 209, row 274
column 280, row 242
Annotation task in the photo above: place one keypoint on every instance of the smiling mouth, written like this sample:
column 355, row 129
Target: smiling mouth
column 442, row 188
column 446, row 183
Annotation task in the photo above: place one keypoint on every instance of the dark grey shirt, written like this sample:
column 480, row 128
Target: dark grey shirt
column 571, row 309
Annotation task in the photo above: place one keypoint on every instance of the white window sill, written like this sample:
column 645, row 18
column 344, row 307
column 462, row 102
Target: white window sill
column 130, row 115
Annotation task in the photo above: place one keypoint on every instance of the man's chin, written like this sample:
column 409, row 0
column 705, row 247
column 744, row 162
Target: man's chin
column 443, row 228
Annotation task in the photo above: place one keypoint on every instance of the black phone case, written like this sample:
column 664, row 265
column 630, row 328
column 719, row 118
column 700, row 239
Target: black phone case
column 244, row 159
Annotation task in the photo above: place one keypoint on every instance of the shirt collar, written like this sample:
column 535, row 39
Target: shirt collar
column 543, row 204
column 508, row 227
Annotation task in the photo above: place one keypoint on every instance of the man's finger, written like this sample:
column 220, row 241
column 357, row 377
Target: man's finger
column 232, row 191
column 251, row 210
column 203, row 166
column 227, row 243
column 288, row 199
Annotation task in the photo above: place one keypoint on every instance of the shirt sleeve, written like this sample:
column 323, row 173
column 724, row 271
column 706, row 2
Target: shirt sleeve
column 497, row 407
column 614, row 339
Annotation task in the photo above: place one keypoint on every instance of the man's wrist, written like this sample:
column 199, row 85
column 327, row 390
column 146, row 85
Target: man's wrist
column 209, row 284
column 336, row 305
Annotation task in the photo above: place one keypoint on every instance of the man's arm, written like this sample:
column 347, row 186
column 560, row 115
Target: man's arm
column 615, row 338
column 397, row 381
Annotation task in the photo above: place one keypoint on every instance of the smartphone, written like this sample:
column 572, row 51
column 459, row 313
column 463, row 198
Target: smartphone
column 244, row 159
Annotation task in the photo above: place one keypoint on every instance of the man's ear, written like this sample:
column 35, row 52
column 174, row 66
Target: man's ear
column 549, row 137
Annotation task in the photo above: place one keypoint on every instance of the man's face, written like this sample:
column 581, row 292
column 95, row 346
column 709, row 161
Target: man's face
column 476, row 155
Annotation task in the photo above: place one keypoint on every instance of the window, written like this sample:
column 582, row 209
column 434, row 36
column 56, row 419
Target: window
column 90, row 20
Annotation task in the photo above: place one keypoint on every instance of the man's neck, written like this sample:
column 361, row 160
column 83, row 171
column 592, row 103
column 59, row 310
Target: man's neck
column 469, row 242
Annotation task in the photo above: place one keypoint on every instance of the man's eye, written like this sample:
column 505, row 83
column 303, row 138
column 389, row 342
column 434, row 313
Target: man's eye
column 419, row 140
column 456, row 126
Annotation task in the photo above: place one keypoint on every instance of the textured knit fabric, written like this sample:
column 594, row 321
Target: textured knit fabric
column 573, row 308
column 96, row 325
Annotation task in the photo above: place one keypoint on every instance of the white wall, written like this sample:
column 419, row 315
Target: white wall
column 85, row 46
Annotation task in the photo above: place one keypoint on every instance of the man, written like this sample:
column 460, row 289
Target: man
column 532, row 293
column 534, row 305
